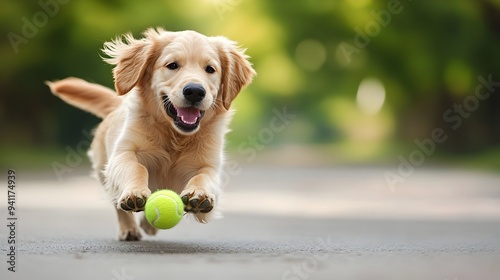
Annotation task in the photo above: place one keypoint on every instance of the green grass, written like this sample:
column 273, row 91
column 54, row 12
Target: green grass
column 42, row 158
column 489, row 160
column 32, row 158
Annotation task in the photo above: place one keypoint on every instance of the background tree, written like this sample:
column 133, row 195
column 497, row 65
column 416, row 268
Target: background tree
column 311, row 57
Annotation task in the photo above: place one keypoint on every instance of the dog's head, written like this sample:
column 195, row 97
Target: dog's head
column 190, row 77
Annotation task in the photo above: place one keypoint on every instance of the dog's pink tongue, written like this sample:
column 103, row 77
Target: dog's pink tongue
column 188, row 115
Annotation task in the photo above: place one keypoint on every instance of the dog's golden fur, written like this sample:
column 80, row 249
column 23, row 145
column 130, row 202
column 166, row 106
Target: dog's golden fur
column 139, row 146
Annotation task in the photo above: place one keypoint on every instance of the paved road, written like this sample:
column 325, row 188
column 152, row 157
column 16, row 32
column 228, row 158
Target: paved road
column 280, row 223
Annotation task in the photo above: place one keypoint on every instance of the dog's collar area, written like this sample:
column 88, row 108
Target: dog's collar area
column 186, row 119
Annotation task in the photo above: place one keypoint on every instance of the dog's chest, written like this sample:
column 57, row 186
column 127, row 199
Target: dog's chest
column 167, row 170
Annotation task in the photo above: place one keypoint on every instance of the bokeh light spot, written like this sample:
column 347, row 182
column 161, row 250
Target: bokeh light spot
column 310, row 54
column 371, row 96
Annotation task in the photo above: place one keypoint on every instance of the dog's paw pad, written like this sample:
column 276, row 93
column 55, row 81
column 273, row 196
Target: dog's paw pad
column 125, row 207
column 193, row 202
column 185, row 199
column 206, row 206
column 197, row 203
column 140, row 202
column 134, row 202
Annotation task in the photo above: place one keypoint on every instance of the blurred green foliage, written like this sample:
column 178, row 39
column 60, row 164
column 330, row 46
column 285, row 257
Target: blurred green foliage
column 311, row 57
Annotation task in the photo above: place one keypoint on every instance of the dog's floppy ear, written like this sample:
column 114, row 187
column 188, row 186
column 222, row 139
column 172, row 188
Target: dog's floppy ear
column 237, row 71
column 131, row 57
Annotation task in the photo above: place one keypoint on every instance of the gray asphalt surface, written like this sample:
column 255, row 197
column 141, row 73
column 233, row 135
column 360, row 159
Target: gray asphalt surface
column 279, row 223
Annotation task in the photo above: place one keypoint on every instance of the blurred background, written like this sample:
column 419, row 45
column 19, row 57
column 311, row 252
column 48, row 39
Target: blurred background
column 364, row 79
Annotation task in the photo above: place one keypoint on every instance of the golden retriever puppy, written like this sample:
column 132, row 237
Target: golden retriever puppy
column 165, row 126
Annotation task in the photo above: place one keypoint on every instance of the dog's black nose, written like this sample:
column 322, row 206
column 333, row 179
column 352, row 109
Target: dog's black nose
column 194, row 93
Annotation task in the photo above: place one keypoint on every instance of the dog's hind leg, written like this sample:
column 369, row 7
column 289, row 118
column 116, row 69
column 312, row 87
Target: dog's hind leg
column 128, row 227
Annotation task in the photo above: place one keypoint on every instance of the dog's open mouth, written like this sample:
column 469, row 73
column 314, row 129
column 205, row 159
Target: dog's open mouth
column 185, row 118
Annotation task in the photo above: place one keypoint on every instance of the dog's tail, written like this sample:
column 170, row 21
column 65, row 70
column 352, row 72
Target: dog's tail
column 93, row 98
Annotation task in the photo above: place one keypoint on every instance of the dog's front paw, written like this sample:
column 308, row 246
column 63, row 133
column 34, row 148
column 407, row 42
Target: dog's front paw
column 134, row 200
column 197, row 201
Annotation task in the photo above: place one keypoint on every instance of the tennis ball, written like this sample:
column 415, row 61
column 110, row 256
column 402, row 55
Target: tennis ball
column 164, row 209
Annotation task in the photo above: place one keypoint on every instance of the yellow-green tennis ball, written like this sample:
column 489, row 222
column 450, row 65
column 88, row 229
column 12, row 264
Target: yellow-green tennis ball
column 164, row 209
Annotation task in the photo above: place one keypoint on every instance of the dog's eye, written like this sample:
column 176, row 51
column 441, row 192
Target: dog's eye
column 172, row 66
column 210, row 69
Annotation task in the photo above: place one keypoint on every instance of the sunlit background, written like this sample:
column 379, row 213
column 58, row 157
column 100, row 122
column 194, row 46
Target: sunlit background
column 364, row 79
